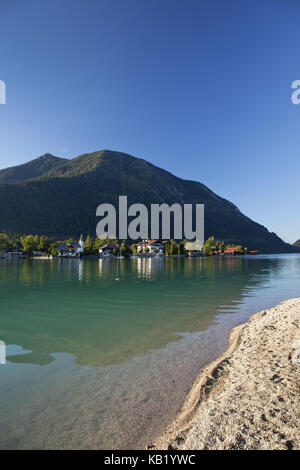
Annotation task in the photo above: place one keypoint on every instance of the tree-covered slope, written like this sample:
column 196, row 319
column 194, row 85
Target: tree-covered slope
column 63, row 201
column 32, row 169
column 297, row 243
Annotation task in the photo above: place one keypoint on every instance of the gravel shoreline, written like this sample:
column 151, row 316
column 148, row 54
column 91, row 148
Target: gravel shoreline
column 250, row 397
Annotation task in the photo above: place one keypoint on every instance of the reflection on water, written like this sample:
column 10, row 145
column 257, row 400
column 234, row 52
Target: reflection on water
column 108, row 311
column 122, row 332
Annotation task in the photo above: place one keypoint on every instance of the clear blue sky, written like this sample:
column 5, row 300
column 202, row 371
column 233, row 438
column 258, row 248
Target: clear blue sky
column 201, row 88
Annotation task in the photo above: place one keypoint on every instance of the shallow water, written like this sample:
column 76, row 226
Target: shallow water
column 100, row 353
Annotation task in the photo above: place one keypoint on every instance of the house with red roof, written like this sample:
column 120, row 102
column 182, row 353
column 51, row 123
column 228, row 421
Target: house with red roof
column 231, row 250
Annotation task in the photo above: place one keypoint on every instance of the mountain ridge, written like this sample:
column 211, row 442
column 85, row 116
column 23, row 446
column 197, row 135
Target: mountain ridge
column 31, row 169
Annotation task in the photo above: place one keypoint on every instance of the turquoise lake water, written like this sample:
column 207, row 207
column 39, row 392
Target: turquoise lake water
column 101, row 353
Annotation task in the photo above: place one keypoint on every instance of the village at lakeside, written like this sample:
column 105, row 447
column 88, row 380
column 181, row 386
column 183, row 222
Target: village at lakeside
column 15, row 246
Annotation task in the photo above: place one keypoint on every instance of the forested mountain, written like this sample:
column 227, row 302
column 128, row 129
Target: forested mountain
column 62, row 201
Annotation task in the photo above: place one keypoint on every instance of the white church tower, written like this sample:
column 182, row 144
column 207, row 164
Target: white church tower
column 80, row 246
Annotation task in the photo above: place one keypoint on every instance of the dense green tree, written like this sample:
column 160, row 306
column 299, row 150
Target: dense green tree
column 36, row 239
column 44, row 243
column 181, row 250
column 53, row 250
column 29, row 244
column 173, row 247
column 133, row 248
column 99, row 242
column 88, row 246
column 4, row 241
column 124, row 249
column 9, row 241
column 209, row 246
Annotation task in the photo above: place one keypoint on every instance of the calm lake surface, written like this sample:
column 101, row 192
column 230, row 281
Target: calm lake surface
column 100, row 353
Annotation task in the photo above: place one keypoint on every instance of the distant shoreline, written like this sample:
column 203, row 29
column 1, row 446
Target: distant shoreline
column 134, row 257
column 249, row 397
column 157, row 257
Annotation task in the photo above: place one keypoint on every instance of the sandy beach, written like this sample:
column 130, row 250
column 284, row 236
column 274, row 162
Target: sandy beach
column 249, row 397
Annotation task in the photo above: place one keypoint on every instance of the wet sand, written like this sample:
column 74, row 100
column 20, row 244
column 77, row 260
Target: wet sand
column 250, row 397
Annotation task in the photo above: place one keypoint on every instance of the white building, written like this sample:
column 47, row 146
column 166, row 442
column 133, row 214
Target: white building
column 71, row 250
column 12, row 254
column 108, row 250
column 151, row 247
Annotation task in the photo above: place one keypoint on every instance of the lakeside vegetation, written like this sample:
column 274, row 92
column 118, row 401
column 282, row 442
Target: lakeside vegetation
column 35, row 244
column 213, row 246
column 49, row 246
